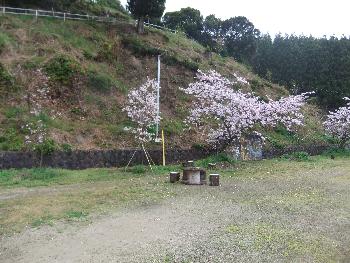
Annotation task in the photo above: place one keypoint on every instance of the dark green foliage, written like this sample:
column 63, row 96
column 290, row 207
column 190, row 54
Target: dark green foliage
column 62, row 69
column 88, row 55
column 173, row 60
column 140, row 48
column 46, row 148
column 337, row 152
column 6, row 81
column 4, row 39
column 173, row 126
column 10, row 140
column 141, row 9
column 146, row 8
column 138, row 169
column 240, row 38
column 13, row 112
column 66, row 147
column 307, row 64
column 100, row 82
column 211, row 34
column 217, row 158
column 199, row 147
column 297, row 156
column 188, row 20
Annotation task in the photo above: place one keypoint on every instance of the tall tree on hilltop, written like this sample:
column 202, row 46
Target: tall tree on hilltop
column 240, row 37
column 211, row 35
column 145, row 8
column 189, row 20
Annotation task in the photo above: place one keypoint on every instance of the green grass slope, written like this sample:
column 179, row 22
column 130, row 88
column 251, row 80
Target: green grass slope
column 91, row 67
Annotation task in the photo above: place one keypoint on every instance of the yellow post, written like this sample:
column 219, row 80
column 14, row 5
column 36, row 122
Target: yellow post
column 163, row 142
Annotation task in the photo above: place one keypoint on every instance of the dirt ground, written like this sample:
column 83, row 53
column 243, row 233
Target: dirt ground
column 301, row 214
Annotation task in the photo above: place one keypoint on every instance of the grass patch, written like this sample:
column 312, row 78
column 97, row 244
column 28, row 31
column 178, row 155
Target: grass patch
column 76, row 214
column 6, row 81
column 100, row 82
column 216, row 159
column 46, row 220
column 297, row 156
column 4, row 41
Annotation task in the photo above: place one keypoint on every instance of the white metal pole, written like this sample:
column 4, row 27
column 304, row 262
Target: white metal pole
column 158, row 102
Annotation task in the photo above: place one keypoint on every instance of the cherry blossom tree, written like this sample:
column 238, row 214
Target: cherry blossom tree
column 338, row 124
column 141, row 108
column 285, row 112
column 226, row 114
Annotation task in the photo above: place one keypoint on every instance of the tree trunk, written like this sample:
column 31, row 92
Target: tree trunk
column 140, row 25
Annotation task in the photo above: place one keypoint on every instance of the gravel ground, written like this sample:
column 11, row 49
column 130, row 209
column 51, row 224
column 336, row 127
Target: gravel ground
column 301, row 216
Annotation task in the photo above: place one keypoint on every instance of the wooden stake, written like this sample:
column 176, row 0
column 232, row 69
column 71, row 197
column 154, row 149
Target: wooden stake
column 163, row 142
column 149, row 163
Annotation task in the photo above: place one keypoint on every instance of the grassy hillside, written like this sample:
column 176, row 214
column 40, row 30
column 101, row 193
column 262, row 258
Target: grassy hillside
column 90, row 68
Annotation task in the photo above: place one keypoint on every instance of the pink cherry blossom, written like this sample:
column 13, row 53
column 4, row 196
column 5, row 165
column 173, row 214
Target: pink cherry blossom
column 141, row 108
column 338, row 123
column 227, row 114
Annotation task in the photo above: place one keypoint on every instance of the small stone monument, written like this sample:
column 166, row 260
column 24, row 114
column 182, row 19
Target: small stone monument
column 174, row 177
column 214, row 179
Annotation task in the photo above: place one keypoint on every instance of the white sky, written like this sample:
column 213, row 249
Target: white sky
column 316, row 17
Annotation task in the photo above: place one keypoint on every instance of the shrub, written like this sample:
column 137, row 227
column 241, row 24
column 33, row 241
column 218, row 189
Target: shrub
column 100, row 82
column 217, row 158
column 337, row 152
column 46, row 148
column 297, row 156
column 137, row 169
column 13, row 112
column 4, row 40
column 140, row 48
column 66, row 147
column 199, row 147
column 173, row 127
column 62, row 68
column 107, row 52
column 33, row 63
column 173, row 60
column 10, row 140
column 88, row 55
column 6, row 80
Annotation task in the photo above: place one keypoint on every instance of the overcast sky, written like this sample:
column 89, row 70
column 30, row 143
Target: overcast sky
column 316, row 17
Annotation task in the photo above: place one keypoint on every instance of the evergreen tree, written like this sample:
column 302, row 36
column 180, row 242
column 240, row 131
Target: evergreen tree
column 142, row 9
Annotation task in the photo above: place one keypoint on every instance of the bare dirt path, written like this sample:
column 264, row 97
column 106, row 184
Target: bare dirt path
column 295, row 217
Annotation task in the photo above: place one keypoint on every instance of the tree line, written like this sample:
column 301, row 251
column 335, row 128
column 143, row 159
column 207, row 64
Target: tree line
column 306, row 63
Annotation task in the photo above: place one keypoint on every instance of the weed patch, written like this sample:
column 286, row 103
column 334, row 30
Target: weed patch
column 297, row 156
column 62, row 68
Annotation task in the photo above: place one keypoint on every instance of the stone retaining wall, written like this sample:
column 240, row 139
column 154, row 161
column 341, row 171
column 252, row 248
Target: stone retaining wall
column 94, row 159
column 120, row 158
column 312, row 149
